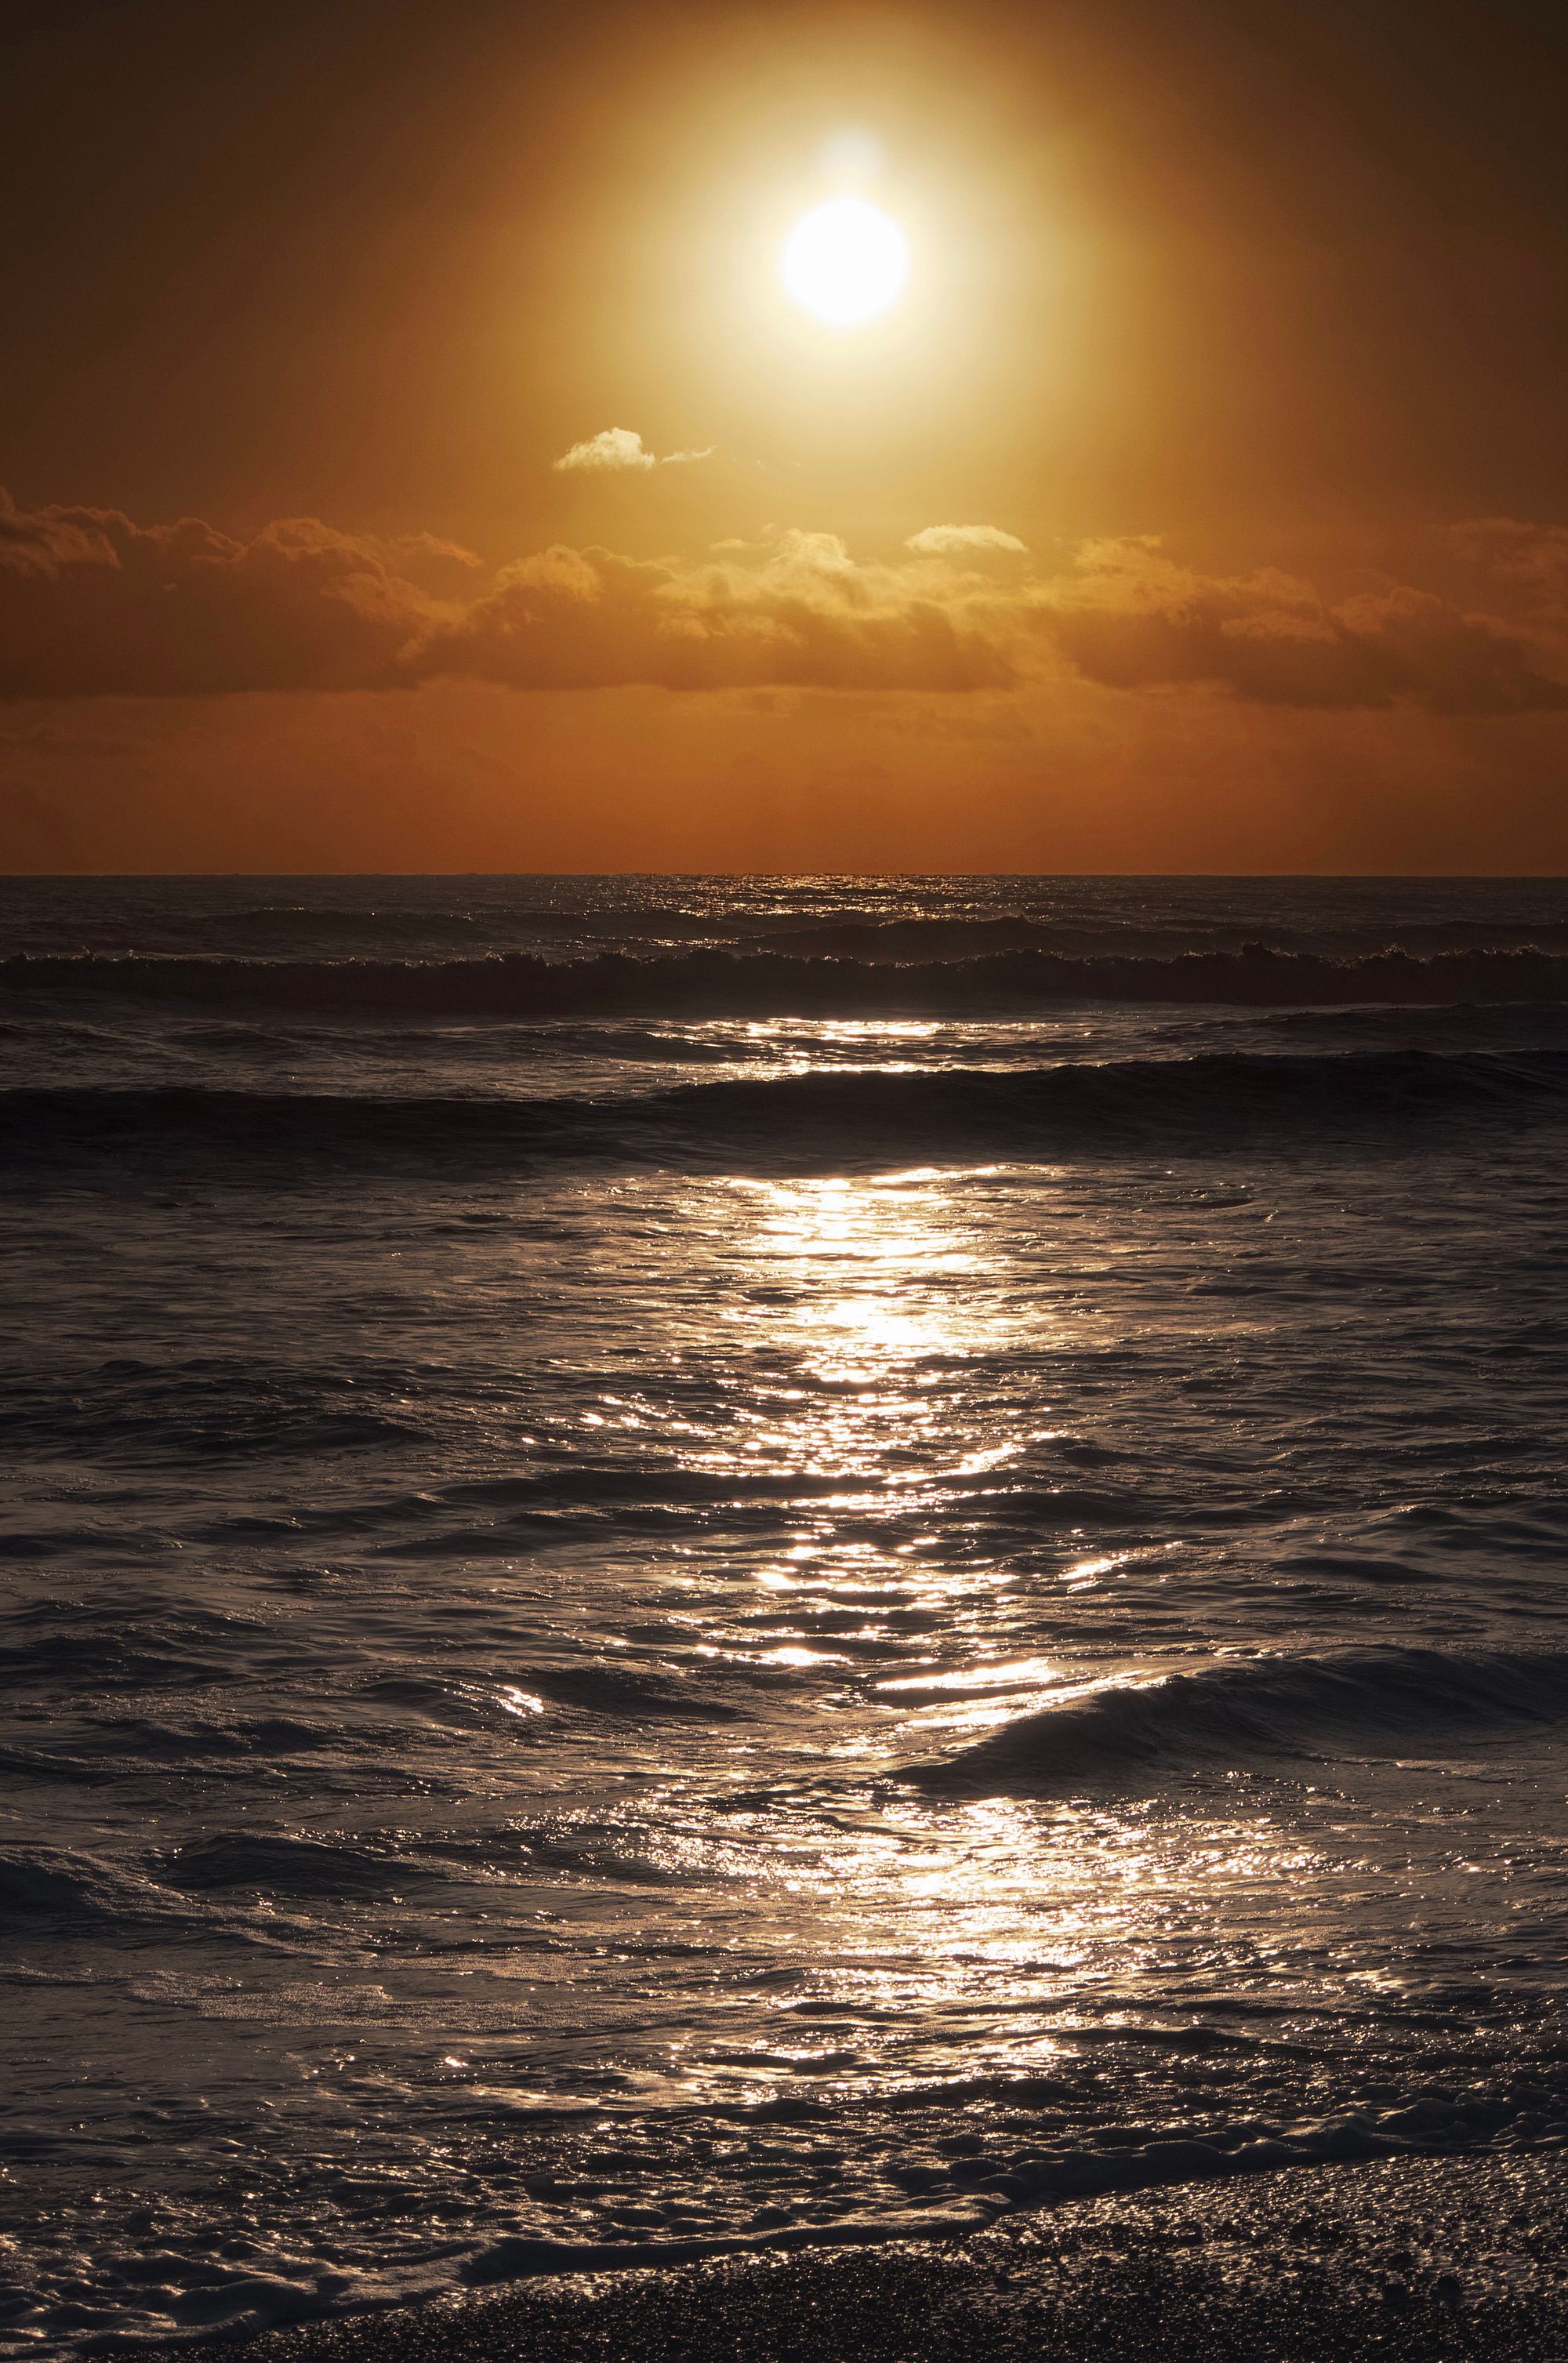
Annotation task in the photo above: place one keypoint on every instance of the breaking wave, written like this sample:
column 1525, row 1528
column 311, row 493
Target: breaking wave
column 716, row 982
column 1354, row 1703
column 848, row 1116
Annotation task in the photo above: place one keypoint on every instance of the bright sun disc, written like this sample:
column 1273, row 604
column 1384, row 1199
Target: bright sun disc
column 845, row 261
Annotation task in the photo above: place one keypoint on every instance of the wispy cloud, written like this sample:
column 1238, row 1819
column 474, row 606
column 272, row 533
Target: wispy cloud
column 91, row 604
column 619, row 448
column 950, row 540
column 1131, row 617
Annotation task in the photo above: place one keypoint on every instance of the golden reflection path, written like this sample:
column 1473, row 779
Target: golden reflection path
column 973, row 1931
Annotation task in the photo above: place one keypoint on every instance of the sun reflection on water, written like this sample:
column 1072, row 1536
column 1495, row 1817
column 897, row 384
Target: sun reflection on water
column 887, row 1577
column 989, row 1939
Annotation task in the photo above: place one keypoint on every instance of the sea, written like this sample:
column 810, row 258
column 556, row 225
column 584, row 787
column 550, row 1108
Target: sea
column 696, row 1565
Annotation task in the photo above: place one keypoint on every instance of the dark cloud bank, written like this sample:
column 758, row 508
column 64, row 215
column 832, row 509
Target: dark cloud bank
column 93, row 604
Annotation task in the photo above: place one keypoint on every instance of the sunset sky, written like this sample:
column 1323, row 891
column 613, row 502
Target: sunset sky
column 416, row 459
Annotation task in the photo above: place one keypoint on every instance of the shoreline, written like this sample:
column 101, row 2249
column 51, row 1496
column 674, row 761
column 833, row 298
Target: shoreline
column 1413, row 2260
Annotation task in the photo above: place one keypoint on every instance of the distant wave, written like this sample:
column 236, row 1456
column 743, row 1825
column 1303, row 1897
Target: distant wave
column 330, row 931
column 965, row 936
column 287, row 927
column 759, row 983
column 1366, row 1702
column 845, row 1117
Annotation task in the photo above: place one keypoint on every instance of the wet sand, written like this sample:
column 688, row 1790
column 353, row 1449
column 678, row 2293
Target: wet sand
column 1409, row 2257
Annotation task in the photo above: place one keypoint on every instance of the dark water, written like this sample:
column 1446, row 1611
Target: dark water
column 693, row 1563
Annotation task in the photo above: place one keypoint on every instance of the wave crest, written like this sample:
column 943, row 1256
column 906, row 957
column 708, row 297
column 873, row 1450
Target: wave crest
column 1354, row 1702
column 837, row 1117
column 860, row 1121
column 711, row 983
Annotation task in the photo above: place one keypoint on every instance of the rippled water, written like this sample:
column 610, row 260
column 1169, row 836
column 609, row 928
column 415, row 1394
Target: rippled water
column 698, row 1562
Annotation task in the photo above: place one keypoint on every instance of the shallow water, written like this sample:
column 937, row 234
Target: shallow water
column 883, row 1567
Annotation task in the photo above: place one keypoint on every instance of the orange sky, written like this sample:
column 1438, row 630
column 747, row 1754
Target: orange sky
column 1200, row 507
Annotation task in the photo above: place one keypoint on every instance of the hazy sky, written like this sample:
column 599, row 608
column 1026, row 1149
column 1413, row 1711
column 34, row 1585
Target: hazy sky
column 1202, row 502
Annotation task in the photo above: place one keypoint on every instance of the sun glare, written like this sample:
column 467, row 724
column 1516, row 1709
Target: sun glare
column 846, row 261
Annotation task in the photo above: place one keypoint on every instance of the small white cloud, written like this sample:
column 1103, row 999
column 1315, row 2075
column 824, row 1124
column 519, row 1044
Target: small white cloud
column 620, row 448
column 617, row 447
column 945, row 541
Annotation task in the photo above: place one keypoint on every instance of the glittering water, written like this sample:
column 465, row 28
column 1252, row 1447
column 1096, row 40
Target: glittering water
column 694, row 1562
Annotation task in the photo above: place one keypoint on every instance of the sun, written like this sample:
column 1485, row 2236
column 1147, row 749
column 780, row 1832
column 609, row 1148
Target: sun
column 845, row 261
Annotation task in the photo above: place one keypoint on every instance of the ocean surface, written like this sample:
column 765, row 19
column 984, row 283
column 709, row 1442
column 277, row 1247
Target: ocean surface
column 695, row 1564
